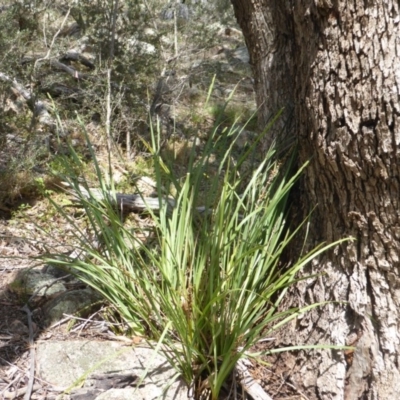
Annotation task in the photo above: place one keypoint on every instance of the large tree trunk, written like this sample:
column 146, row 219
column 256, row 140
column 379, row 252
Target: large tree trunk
column 337, row 64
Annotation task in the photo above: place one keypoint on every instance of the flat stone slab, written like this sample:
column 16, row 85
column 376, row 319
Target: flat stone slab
column 29, row 281
column 69, row 363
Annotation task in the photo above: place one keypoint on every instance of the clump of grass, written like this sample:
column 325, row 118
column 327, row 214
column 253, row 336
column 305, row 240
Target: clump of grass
column 211, row 281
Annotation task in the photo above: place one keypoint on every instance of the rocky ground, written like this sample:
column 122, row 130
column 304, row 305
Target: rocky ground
column 41, row 339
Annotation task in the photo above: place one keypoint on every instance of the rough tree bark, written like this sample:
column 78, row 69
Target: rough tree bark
column 336, row 63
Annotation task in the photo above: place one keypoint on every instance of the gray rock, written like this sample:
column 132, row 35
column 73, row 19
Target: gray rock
column 139, row 47
column 54, row 290
column 70, row 302
column 242, row 54
column 66, row 364
column 32, row 281
column 58, row 272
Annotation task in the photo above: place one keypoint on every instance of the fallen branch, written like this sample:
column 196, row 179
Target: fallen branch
column 249, row 384
column 7, row 394
column 73, row 55
column 38, row 107
column 127, row 202
column 69, row 70
column 32, row 354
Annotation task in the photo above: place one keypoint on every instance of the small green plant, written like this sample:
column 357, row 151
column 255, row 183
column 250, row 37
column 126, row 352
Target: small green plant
column 211, row 281
column 42, row 188
column 20, row 211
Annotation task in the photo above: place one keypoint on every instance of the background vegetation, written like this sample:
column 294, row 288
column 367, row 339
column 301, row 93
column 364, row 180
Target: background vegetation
column 58, row 57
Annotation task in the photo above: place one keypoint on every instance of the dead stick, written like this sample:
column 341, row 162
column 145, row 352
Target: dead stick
column 249, row 384
column 32, row 354
column 19, row 392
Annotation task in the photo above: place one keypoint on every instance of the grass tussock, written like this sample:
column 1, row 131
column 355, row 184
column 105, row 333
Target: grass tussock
column 207, row 280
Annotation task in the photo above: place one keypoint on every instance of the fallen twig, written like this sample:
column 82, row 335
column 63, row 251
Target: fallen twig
column 69, row 70
column 127, row 202
column 32, row 354
column 249, row 384
column 7, row 394
column 39, row 108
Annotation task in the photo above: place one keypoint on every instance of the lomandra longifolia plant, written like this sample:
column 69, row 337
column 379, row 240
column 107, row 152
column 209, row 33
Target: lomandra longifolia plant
column 209, row 283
